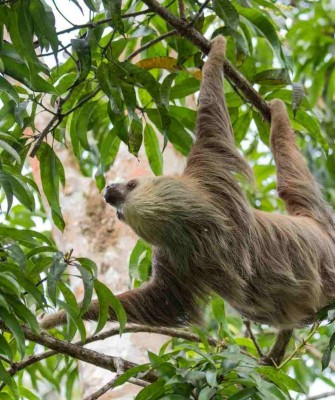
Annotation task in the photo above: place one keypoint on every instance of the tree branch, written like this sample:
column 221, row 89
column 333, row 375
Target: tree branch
column 321, row 396
column 203, row 44
column 79, row 352
column 253, row 338
column 151, row 43
column 115, row 330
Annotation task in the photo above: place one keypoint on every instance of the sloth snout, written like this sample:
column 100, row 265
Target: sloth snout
column 114, row 194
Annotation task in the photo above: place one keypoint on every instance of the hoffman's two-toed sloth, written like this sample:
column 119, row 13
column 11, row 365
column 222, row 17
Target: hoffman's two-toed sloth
column 274, row 269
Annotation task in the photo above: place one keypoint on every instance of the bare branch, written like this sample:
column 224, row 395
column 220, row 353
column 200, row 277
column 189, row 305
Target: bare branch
column 253, row 338
column 151, row 43
column 198, row 14
column 109, row 385
column 181, row 7
column 321, row 396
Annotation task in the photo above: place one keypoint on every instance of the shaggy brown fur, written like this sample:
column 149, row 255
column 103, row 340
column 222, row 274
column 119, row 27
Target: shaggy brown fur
column 274, row 269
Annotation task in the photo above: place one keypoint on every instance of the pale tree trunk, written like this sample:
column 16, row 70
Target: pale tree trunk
column 92, row 230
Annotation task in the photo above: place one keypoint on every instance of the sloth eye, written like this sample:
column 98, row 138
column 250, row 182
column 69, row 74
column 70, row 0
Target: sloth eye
column 132, row 184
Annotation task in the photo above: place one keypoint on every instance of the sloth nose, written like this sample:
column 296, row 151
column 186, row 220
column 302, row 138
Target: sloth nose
column 114, row 195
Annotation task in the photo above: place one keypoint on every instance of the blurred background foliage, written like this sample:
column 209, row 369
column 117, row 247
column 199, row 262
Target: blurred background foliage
column 99, row 91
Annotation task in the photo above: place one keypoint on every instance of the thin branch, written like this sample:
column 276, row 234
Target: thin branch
column 5, row 359
column 253, row 338
column 203, row 44
column 101, row 22
column 50, row 126
column 199, row 13
column 151, row 43
column 56, row 7
column 81, row 102
column 181, row 7
column 109, row 385
column 321, row 396
column 301, row 345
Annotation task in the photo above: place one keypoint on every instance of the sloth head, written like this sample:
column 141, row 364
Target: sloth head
column 162, row 210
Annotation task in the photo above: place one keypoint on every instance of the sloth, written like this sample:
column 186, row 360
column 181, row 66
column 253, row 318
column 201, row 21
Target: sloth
column 272, row 268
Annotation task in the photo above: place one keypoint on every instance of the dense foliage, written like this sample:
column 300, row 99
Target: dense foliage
column 123, row 78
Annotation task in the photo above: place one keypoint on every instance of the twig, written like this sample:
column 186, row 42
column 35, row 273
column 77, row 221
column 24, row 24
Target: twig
column 50, row 126
column 321, row 396
column 5, row 359
column 101, row 22
column 198, row 40
column 198, row 14
column 109, row 385
column 56, row 7
column 81, row 102
column 181, row 7
column 151, row 43
column 253, row 338
column 301, row 345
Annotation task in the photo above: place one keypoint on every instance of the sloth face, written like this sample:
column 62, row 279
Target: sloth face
column 116, row 194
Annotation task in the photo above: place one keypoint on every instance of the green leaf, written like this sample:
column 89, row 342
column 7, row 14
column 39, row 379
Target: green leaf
column 109, row 147
column 25, row 237
column 88, row 264
column 72, row 308
column 156, row 389
column 17, row 69
column 20, row 31
column 5, row 348
column 26, row 393
column 131, row 373
column 17, row 254
column 281, row 379
column 263, row 24
column 91, row 5
column 241, row 126
column 152, row 150
column 10, row 150
column 44, row 23
column 166, row 87
column 225, row 10
column 20, row 191
column 327, row 354
column 83, row 50
column 54, row 274
column 135, row 136
column 273, row 77
column 21, row 311
column 244, row 394
column 50, row 175
column 184, row 88
column 113, row 11
column 88, row 281
column 83, row 121
column 207, row 393
column 106, row 300
column 12, row 323
column 5, row 377
column 6, row 87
